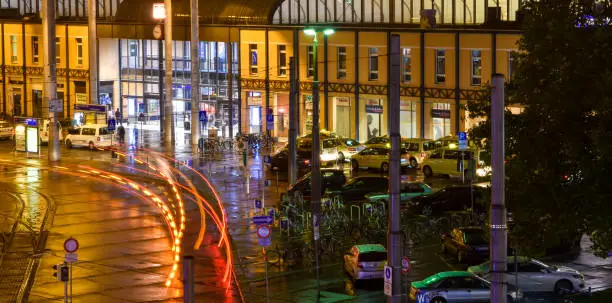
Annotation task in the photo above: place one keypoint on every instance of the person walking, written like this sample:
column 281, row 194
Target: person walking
column 118, row 116
column 121, row 134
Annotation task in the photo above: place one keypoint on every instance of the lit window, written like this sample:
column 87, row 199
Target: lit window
column 253, row 58
column 79, row 50
column 440, row 66
column 35, row 50
column 476, row 67
column 406, row 64
column 373, row 74
column 309, row 62
column 14, row 49
column 341, row 62
column 58, row 59
column 282, row 60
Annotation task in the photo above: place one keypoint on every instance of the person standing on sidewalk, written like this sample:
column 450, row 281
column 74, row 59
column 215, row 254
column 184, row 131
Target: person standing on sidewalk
column 121, row 134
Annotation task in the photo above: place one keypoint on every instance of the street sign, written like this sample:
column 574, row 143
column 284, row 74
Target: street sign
column 112, row 124
column 270, row 119
column 463, row 140
column 258, row 220
column 71, row 245
column 203, row 117
column 271, row 212
column 264, row 231
column 56, row 105
column 405, row 265
column 258, row 203
column 388, row 280
column 264, row 242
column 70, row 258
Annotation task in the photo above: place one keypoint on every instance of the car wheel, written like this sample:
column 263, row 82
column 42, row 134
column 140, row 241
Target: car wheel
column 427, row 171
column 91, row 145
column 341, row 157
column 437, row 300
column 413, row 163
column 384, row 168
column 563, row 287
column 68, row 143
column 354, row 165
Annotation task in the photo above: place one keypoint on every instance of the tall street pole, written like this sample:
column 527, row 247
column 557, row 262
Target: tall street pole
column 498, row 234
column 50, row 77
column 315, row 176
column 168, row 112
column 230, row 81
column 394, row 233
column 195, row 75
column 93, row 52
column 292, row 121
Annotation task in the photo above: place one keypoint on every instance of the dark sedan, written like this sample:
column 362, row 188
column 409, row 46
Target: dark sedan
column 451, row 199
column 331, row 179
column 357, row 188
column 280, row 160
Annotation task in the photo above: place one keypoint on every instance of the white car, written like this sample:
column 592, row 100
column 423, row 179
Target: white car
column 365, row 262
column 44, row 132
column 6, row 131
column 94, row 135
column 445, row 161
column 536, row 276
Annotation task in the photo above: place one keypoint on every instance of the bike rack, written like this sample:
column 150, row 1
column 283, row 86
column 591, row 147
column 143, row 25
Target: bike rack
column 358, row 212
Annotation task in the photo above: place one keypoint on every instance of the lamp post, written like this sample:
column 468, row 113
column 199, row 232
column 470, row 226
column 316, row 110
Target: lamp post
column 315, row 176
column 163, row 11
column 159, row 14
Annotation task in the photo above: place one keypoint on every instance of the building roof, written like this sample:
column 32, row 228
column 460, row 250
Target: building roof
column 232, row 12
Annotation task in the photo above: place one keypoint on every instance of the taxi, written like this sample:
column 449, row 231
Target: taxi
column 377, row 157
column 339, row 149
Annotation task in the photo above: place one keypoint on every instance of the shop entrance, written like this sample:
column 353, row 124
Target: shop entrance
column 37, row 103
column 342, row 118
column 255, row 119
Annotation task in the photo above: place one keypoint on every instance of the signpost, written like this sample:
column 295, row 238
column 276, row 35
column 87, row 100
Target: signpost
column 71, row 245
column 388, row 280
column 264, row 233
column 462, row 140
column 56, row 105
column 462, row 146
column 270, row 120
column 258, row 204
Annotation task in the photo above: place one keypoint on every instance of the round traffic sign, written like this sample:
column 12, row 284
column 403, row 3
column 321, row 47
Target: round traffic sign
column 71, row 245
column 263, row 231
column 405, row 265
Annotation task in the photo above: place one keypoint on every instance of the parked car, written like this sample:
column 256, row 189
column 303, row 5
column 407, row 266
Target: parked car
column 44, row 132
column 449, row 199
column 280, row 160
column 331, row 179
column 381, row 141
column 466, row 244
column 537, row 276
column 356, row 188
column 377, row 157
column 419, row 150
column 445, row 161
column 365, row 261
column 339, row 149
column 408, row 190
column 6, row 130
column 92, row 135
column 456, row 287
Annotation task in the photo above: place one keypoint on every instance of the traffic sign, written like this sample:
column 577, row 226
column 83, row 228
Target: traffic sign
column 463, row 140
column 388, row 280
column 70, row 258
column 405, row 265
column 264, row 242
column 56, row 105
column 270, row 119
column 71, row 245
column 112, row 124
column 264, row 231
column 258, row 220
column 203, row 117
column 258, row 203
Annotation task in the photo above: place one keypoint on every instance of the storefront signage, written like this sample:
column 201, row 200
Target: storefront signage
column 374, row 109
column 254, row 98
column 20, row 138
column 90, row 107
column 343, row 101
column 32, row 140
column 441, row 113
column 406, row 105
column 80, row 98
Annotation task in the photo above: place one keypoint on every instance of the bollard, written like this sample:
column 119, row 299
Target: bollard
column 188, row 282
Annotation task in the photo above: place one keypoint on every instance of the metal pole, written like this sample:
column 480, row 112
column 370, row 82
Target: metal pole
column 70, row 264
column 395, row 235
column 293, row 121
column 93, row 52
column 499, row 236
column 267, row 283
column 160, row 52
column 50, row 76
column 188, row 282
column 66, row 292
column 315, row 176
column 195, row 74
column 168, row 121
column 230, row 83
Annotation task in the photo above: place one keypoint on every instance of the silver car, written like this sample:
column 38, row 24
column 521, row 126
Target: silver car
column 365, row 262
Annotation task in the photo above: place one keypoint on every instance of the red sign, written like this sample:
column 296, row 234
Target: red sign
column 405, row 265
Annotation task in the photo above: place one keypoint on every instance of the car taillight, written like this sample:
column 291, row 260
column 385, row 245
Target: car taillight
column 306, row 162
column 98, row 139
column 351, row 149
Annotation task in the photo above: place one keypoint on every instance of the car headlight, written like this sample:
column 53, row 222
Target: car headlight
column 516, row 294
column 578, row 277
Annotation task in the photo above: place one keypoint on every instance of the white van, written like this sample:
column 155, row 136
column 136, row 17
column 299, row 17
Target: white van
column 44, row 132
column 93, row 135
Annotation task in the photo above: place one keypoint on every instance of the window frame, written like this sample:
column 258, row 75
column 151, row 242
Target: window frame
column 309, row 61
column 406, row 70
column 373, row 55
column 440, row 77
column 35, row 40
column 341, row 58
column 282, row 56
column 58, row 50
column 253, row 61
column 79, row 49
column 476, row 77
column 14, row 49
column 511, row 64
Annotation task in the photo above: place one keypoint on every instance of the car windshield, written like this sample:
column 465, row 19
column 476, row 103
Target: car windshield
column 351, row 142
column 373, row 256
column 74, row 131
column 475, row 238
column 330, row 143
column 551, row 267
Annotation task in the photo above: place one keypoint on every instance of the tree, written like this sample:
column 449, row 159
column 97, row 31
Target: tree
column 559, row 149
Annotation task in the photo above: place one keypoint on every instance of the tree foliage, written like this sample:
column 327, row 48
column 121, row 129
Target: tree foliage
column 559, row 149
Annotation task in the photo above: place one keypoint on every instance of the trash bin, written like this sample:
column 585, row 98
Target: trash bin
column 187, row 125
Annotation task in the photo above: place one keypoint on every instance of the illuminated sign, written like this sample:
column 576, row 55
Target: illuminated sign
column 32, row 139
column 159, row 11
column 20, row 138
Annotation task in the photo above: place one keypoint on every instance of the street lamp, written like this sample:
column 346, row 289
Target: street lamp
column 163, row 11
column 159, row 14
column 315, row 175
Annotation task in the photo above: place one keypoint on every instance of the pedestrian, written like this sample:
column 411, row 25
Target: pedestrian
column 141, row 117
column 121, row 134
column 118, row 116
